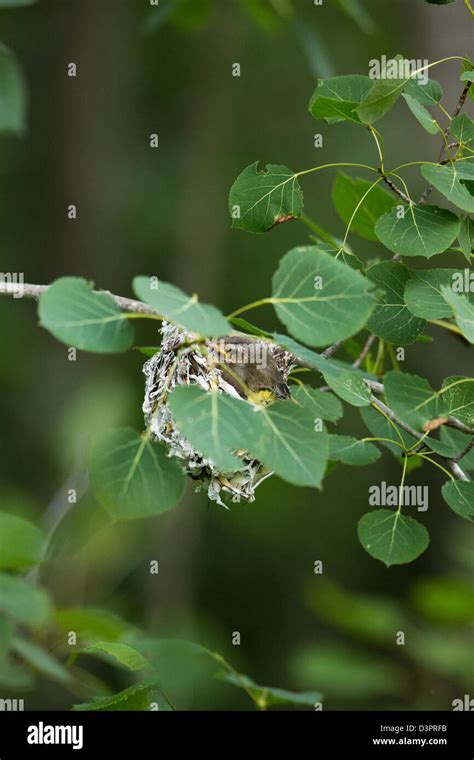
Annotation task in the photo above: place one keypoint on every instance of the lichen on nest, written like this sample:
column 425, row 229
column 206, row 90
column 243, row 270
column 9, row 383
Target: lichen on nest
column 185, row 359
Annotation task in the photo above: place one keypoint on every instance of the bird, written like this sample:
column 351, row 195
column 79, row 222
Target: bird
column 250, row 368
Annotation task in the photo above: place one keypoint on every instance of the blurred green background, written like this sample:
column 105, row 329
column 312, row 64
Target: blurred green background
column 164, row 212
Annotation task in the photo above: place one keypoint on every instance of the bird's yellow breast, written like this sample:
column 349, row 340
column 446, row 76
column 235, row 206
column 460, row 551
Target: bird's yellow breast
column 262, row 397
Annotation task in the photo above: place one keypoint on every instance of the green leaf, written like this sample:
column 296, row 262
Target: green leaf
column 343, row 448
column 281, row 436
column 420, row 231
column 247, row 327
column 320, row 405
column 380, row 427
column 458, row 395
column 345, row 256
column 12, row 94
column 392, row 537
column 176, row 306
column 423, row 292
column 20, row 542
column 348, row 386
column 91, row 623
column 258, row 200
column 383, row 94
column 124, row 655
column 319, row 299
column 462, row 128
column 459, row 495
column 22, row 601
column 445, row 600
column 467, row 75
column 266, row 696
column 347, row 193
column 372, row 618
column 421, row 114
column 213, row 423
column 132, row 476
column 289, row 445
column 345, row 673
column 40, row 660
column 466, row 237
column 78, row 317
column 463, row 312
column 448, row 180
column 301, row 353
column 454, row 442
column 392, row 320
column 336, row 99
column 413, row 399
column 139, row 696
column 346, row 382
column 147, row 350
column 427, row 93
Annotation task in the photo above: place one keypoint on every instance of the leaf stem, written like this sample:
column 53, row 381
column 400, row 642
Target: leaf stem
column 247, row 307
column 382, row 409
column 469, row 7
column 402, row 483
column 437, row 464
column 445, row 325
column 143, row 316
column 374, row 184
column 386, row 440
column 330, row 166
column 325, row 236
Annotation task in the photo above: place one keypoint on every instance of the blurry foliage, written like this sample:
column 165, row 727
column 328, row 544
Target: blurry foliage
column 116, row 664
column 436, row 621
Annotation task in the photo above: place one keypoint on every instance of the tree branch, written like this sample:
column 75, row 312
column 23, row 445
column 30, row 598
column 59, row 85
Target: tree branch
column 364, row 351
column 36, row 291
column 394, row 188
column 458, row 473
column 465, row 451
column 29, row 290
column 331, row 350
column 461, row 101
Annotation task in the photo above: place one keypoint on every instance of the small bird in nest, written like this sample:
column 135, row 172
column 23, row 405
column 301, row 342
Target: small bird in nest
column 249, row 367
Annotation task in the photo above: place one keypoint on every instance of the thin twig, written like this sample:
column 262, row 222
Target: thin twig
column 394, row 188
column 364, row 351
column 456, row 470
column 461, row 101
column 374, row 386
column 386, row 410
column 465, row 451
column 455, row 423
column 331, row 350
column 458, row 473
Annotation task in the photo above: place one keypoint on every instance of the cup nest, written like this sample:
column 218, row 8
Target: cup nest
column 184, row 359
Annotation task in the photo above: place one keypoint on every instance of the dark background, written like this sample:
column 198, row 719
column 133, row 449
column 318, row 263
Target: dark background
column 164, row 212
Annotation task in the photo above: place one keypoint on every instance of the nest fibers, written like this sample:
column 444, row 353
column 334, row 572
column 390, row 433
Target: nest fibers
column 181, row 361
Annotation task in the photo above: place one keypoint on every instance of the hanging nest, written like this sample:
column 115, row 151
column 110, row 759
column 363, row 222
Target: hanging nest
column 183, row 359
